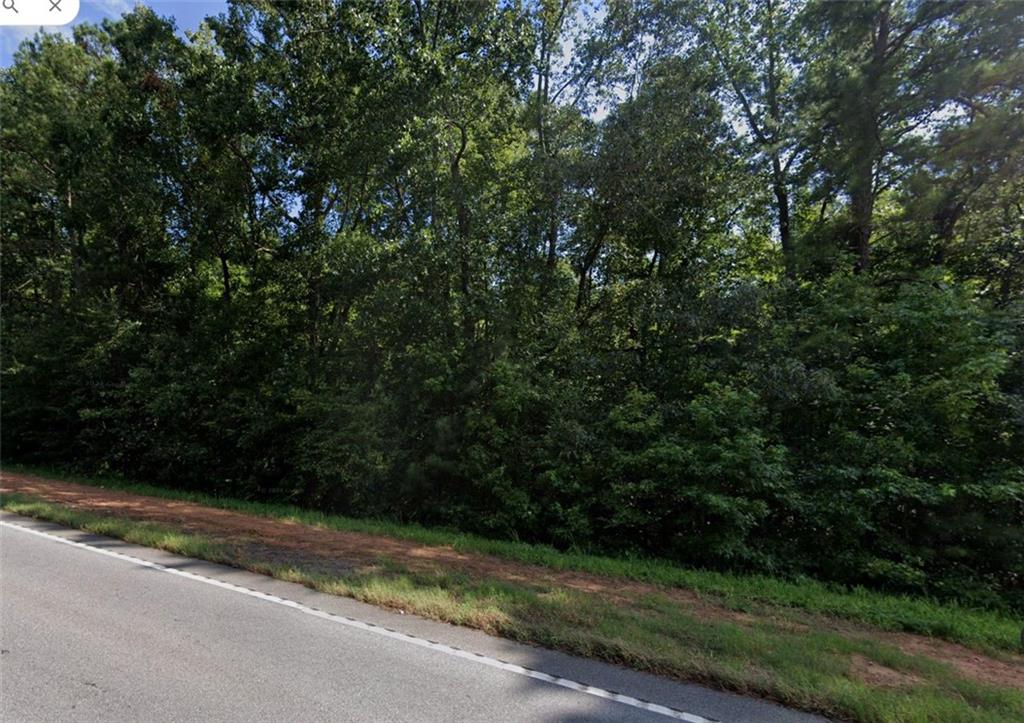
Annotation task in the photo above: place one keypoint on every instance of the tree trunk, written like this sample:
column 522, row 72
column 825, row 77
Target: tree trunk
column 462, row 222
column 863, row 204
column 226, row 276
column 552, row 237
column 782, row 207
column 866, row 147
column 778, row 174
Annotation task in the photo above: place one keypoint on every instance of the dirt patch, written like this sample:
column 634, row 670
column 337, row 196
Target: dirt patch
column 1008, row 674
column 878, row 675
column 327, row 550
column 1001, row 669
column 355, row 549
column 339, row 552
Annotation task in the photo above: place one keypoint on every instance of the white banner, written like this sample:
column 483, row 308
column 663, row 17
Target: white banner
column 37, row 12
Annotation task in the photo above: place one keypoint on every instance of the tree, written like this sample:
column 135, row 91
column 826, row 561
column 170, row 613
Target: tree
column 882, row 75
column 757, row 48
column 514, row 268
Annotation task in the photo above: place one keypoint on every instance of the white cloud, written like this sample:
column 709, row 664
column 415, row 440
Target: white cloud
column 110, row 7
column 89, row 11
column 11, row 36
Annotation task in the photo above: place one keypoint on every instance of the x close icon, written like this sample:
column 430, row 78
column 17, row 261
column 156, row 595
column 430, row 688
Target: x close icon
column 36, row 13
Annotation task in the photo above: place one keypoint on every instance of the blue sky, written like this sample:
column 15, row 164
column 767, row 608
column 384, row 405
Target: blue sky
column 186, row 13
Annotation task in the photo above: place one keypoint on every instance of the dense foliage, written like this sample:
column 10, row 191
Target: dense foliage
column 737, row 284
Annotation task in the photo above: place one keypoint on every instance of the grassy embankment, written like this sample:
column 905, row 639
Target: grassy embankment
column 802, row 643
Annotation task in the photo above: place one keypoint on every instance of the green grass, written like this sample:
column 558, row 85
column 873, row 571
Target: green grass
column 983, row 629
column 147, row 534
column 801, row 668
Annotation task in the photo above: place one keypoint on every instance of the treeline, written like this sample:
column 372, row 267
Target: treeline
column 737, row 284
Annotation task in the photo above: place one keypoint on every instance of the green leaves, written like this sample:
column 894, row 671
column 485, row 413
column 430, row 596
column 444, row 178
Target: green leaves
column 539, row 271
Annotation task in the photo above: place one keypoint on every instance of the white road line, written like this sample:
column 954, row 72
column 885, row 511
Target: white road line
column 387, row 632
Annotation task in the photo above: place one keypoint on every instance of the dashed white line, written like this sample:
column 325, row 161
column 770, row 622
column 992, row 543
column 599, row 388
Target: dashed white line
column 386, row 632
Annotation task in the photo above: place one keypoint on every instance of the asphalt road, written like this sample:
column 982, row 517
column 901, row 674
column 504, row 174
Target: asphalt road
column 88, row 635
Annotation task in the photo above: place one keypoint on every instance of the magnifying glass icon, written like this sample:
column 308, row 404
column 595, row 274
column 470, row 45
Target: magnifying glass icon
column 36, row 13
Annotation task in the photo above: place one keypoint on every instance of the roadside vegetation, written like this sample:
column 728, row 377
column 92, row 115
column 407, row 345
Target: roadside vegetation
column 721, row 303
column 980, row 628
column 800, row 643
column 736, row 285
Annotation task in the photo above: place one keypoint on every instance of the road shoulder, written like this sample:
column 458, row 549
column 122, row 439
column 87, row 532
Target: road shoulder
column 692, row 699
